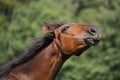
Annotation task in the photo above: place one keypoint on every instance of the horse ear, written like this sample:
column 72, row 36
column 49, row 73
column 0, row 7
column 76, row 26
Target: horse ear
column 50, row 26
column 47, row 27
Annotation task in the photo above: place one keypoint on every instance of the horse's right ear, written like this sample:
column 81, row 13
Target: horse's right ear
column 50, row 26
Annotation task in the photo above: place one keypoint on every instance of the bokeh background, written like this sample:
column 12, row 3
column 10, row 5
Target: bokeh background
column 22, row 20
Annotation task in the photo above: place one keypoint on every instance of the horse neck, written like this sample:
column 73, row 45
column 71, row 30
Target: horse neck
column 45, row 65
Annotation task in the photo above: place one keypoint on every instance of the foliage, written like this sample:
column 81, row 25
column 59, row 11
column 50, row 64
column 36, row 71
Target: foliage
column 21, row 21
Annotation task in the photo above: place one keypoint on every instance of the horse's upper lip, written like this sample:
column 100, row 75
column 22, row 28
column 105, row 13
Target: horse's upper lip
column 92, row 40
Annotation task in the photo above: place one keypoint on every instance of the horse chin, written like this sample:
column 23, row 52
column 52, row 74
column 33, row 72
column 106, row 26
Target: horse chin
column 88, row 45
column 80, row 51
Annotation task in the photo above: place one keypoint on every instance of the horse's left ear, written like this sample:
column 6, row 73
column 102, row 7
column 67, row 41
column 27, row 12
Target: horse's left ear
column 50, row 26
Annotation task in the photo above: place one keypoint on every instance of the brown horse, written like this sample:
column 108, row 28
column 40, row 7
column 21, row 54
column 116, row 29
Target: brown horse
column 43, row 60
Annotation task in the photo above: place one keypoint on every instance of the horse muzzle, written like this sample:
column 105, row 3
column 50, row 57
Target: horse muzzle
column 93, row 36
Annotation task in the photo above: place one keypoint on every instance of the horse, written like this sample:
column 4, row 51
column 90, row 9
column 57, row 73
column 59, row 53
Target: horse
column 45, row 57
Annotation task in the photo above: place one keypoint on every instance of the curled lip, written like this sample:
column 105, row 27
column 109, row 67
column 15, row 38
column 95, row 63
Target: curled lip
column 92, row 41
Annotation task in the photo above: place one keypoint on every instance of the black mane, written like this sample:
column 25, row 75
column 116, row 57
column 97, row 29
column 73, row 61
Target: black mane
column 32, row 51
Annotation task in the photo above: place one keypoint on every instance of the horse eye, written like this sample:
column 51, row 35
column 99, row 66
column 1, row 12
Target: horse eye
column 65, row 28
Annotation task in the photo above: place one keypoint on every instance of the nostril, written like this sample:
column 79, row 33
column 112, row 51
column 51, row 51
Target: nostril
column 92, row 30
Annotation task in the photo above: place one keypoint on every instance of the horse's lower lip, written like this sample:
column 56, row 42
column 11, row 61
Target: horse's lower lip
column 91, row 41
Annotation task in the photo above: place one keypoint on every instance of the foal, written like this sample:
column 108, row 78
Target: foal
column 43, row 60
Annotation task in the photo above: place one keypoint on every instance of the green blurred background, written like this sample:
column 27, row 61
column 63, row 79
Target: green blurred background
column 21, row 21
